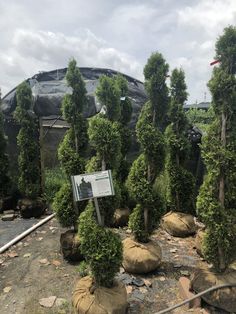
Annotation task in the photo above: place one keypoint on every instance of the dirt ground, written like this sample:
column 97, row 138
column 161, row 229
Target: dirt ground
column 34, row 269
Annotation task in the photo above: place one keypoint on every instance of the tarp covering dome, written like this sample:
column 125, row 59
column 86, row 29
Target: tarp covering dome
column 49, row 88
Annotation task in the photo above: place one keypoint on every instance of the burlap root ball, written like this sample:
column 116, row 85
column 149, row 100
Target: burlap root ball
column 141, row 258
column 70, row 246
column 178, row 224
column 90, row 299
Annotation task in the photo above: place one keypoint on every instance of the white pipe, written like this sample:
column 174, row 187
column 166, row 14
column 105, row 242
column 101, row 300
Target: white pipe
column 25, row 233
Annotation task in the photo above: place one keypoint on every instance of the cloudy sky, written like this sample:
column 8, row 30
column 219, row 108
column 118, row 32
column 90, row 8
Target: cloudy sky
column 118, row 34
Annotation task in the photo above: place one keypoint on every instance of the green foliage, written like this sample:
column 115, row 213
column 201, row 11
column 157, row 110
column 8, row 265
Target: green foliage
column 137, row 183
column 200, row 118
column 222, row 87
column 226, row 49
column 54, row 179
column 108, row 94
column 4, row 162
column 63, row 206
column 105, row 139
column 104, row 256
column 217, row 197
column 71, row 161
column 72, row 149
column 83, row 269
column 125, row 102
column 109, row 204
column 28, row 143
column 180, row 182
column 151, row 140
column 136, row 223
column 155, row 73
column 125, row 137
column 73, row 104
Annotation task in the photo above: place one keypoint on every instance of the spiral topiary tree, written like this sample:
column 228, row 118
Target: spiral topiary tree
column 72, row 150
column 217, row 198
column 105, row 140
column 180, row 182
column 4, row 162
column 28, row 144
column 149, row 129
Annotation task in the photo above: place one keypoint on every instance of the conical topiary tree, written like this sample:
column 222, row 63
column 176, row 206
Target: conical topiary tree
column 217, row 198
column 126, row 136
column 4, row 162
column 101, row 248
column 105, row 140
column 72, row 150
column 152, row 121
column 180, row 182
column 28, row 144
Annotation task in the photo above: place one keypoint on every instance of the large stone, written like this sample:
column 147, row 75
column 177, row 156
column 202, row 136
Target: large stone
column 178, row 224
column 70, row 246
column 8, row 217
column 90, row 299
column 224, row 298
column 121, row 217
column 31, row 208
column 141, row 258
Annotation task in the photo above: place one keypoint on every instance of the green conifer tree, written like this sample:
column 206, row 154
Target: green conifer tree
column 28, row 143
column 180, row 182
column 217, row 198
column 152, row 121
column 4, row 162
column 105, row 139
column 72, row 149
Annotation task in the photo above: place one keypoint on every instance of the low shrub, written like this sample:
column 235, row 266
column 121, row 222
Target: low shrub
column 104, row 256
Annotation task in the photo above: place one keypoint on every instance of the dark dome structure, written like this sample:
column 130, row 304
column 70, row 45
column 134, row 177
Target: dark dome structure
column 49, row 88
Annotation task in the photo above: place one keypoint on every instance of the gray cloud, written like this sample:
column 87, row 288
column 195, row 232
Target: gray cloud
column 121, row 35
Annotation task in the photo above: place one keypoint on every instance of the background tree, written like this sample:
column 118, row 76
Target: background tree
column 72, row 149
column 4, row 162
column 180, row 182
column 149, row 130
column 28, row 143
column 217, row 198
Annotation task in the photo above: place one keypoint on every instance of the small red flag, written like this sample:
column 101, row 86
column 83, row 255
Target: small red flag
column 214, row 62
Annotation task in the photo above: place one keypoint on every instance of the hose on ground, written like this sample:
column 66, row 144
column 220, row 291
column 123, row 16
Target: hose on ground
column 227, row 285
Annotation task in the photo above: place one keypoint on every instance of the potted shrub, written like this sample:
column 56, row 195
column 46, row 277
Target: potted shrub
column 71, row 154
column 180, row 182
column 142, row 255
column 100, row 292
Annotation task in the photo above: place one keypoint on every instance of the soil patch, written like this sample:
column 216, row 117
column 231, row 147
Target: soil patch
column 34, row 269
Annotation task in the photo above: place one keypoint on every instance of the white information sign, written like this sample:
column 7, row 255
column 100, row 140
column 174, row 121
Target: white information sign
column 92, row 185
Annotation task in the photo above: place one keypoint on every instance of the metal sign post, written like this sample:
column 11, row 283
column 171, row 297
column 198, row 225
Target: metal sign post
column 98, row 211
column 93, row 186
